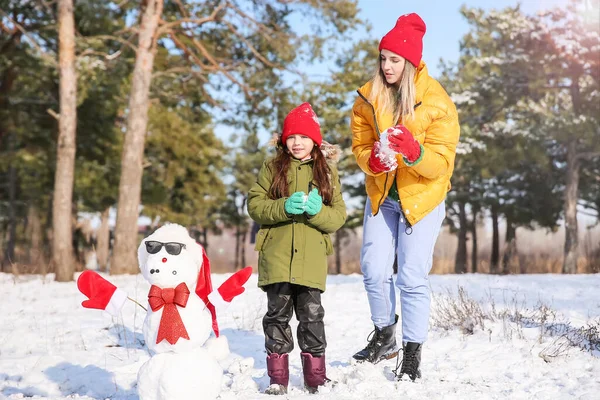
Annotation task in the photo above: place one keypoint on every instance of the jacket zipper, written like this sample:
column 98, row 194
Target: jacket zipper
column 408, row 230
column 377, row 133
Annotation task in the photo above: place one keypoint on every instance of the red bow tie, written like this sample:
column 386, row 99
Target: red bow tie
column 171, row 326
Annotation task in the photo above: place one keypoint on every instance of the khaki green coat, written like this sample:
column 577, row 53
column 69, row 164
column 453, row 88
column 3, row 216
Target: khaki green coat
column 294, row 248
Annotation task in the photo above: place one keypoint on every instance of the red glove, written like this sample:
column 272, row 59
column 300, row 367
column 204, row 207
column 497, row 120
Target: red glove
column 377, row 161
column 102, row 294
column 231, row 288
column 403, row 142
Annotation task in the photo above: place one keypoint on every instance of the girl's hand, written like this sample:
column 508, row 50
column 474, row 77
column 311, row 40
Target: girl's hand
column 294, row 205
column 314, row 203
column 403, row 142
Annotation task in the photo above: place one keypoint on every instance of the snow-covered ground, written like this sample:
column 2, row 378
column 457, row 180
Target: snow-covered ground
column 52, row 348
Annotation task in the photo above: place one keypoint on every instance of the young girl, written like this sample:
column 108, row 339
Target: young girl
column 298, row 202
column 405, row 131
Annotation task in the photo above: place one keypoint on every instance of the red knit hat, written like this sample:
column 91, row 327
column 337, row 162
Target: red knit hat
column 302, row 120
column 406, row 38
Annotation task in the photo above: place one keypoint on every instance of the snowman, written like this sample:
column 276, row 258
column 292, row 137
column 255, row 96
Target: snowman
column 180, row 317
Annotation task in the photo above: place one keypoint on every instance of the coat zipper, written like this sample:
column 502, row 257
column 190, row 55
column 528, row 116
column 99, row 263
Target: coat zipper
column 377, row 133
column 408, row 230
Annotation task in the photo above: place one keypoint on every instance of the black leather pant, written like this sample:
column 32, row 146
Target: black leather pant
column 283, row 299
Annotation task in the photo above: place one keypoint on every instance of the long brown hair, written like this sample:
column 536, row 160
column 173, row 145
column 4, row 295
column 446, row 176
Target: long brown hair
column 396, row 99
column 281, row 164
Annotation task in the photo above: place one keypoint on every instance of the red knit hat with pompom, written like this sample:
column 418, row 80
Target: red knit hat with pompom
column 302, row 120
column 406, row 38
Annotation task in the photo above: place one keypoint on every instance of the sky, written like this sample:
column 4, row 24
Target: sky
column 445, row 28
column 445, row 24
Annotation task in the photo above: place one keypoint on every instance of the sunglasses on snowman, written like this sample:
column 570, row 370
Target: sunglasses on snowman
column 173, row 248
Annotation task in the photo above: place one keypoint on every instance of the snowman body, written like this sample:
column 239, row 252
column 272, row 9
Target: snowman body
column 198, row 324
column 170, row 375
column 187, row 368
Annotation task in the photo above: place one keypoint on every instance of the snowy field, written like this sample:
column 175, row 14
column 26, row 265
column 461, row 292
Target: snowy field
column 513, row 337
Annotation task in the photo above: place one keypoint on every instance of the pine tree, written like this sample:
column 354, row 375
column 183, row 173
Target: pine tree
column 333, row 100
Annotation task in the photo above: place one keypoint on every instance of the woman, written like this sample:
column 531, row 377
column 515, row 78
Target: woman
column 408, row 168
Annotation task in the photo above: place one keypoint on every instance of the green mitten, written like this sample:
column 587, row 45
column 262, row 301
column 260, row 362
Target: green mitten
column 314, row 203
column 294, row 205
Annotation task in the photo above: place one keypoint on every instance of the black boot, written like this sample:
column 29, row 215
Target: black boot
column 381, row 346
column 411, row 360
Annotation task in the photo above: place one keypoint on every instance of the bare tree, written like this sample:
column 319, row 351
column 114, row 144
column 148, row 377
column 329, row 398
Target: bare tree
column 510, row 257
column 124, row 259
column 103, row 241
column 460, row 264
column 36, row 252
column 474, row 245
column 62, row 242
column 495, row 257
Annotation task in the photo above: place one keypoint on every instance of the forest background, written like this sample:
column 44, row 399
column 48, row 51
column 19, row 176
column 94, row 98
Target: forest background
column 118, row 116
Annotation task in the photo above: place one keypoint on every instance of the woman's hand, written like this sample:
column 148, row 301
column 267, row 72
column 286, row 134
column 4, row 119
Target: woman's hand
column 403, row 142
column 378, row 162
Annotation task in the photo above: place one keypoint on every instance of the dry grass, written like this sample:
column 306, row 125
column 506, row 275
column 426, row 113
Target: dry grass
column 457, row 311
column 538, row 252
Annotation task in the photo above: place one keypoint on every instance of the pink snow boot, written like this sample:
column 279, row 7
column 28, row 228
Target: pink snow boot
column 314, row 371
column 278, row 371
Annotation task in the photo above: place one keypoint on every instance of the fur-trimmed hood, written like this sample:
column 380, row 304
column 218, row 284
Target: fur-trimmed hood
column 331, row 152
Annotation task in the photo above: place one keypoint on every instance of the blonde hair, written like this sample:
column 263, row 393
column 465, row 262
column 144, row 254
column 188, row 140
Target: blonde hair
column 398, row 100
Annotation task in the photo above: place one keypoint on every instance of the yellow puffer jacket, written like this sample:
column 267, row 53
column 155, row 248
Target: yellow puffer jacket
column 422, row 186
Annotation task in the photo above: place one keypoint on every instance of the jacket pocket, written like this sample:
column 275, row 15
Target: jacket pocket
column 261, row 237
column 328, row 244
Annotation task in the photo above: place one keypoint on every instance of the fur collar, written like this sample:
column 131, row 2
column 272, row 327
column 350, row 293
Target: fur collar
column 332, row 152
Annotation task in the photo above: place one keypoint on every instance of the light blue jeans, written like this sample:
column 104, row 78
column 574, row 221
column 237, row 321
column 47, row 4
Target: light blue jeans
column 384, row 236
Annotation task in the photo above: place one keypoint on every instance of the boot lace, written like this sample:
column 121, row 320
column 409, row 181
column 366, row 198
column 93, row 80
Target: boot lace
column 373, row 339
column 409, row 365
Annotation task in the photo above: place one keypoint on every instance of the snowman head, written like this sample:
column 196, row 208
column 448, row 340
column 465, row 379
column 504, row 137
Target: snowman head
column 169, row 257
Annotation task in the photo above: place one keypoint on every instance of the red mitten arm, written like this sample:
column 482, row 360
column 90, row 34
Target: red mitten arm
column 102, row 294
column 378, row 162
column 403, row 142
column 231, row 288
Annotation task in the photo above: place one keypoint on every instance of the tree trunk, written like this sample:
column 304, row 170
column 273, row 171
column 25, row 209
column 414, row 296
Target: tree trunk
column 495, row 259
column 7, row 81
column 338, row 251
column 103, row 241
column 124, row 258
column 204, row 240
column 572, row 192
column 571, row 227
column 48, row 236
column 474, row 260
column 3, row 234
column 509, row 258
column 243, row 233
column 243, row 245
column 9, row 251
column 236, row 257
column 460, row 264
column 36, row 253
column 62, row 243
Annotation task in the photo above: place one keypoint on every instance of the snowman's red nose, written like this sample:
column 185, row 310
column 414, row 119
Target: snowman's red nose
column 164, row 259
